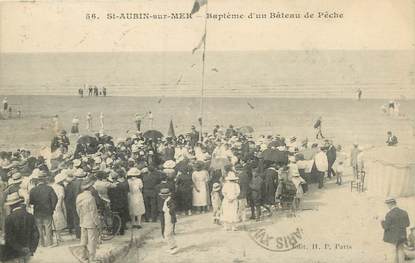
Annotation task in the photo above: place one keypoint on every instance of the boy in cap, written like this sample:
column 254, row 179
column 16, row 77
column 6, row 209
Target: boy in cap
column 168, row 220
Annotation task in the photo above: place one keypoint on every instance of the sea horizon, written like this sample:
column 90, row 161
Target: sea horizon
column 382, row 74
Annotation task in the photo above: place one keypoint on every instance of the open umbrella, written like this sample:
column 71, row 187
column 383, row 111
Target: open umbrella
column 246, row 129
column 153, row 134
column 87, row 139
column 275, row 156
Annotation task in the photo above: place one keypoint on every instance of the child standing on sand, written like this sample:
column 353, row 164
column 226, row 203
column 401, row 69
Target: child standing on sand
column 216, row 202
column 168, row 220
column 339, row 164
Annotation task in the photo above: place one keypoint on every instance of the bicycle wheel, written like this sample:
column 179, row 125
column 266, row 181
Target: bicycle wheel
column 105, row 230
column 116, row 224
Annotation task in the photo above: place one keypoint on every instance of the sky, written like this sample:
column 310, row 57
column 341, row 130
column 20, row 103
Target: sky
column 61, row 26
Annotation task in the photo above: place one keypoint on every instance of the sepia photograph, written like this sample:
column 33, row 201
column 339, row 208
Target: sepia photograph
column 207, row 131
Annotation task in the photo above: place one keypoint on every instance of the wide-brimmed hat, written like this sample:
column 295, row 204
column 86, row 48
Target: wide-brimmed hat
column 135, row 148
column 60, row 177
column 97, row 160
column 390, row 200
column 170, row 164
column 164, row 192
column 216, row 187
column 16, row 178
column 13, row 198
column 133, row 172
column 79, row 173
column 231, row 176
column 86, row 183
column 35, row 173
column 76, row 162
column 42, row 175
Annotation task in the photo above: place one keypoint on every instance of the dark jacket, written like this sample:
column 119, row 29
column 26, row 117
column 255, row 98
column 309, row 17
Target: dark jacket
column 20, row 232
column 150, row 180
column 43, row 199
column 331, row 155
column 244, row 180
column 395, row 224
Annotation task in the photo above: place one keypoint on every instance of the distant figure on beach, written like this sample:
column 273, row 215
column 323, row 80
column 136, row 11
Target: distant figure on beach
column 96, row 91
column 90, row 91
column 81, row 92
column 55, row 124
column 392, row 139
column 318, row 127
column 5, row 104
column 138, row 120
column 101, row 121
column 104, row 91
column 150, row 119
column 391, row 107
column 75, row 125
column 89, row 121
column 359, row 94
column 10, row 112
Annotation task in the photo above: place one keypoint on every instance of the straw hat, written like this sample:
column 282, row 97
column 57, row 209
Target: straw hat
column 79, row 173
column 15, row 179
column 109, row 161
column 170, row 164
column 42, row 175
column 60, row 177
column 216, row 187
column 13, row 198
column 135, row 148
column 164, row 192
column 133, row 172
column 390, row 200
column 97, row 160
column 77, row 163
column 231, row 176
column 35, row 173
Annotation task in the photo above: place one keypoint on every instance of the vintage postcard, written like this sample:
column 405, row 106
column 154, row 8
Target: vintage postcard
column 207, row 131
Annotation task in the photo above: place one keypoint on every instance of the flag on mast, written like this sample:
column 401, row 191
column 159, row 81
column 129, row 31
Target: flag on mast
column 202, row 41
column 197, row 5
column 171, row 133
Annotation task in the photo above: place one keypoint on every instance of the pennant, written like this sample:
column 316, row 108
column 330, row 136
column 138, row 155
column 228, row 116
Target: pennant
column 202, row 41
column 171, row 133
column 197, row 5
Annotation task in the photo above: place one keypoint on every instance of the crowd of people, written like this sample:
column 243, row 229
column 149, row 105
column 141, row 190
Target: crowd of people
column 152, row 178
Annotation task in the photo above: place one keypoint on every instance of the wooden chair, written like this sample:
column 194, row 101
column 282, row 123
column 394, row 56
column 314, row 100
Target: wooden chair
column 359, row 182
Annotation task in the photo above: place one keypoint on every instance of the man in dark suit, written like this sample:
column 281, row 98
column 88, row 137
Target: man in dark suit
column 331, row 158
column 150, row 180
column 21, row 234
column 44, row 200
column 395, row 224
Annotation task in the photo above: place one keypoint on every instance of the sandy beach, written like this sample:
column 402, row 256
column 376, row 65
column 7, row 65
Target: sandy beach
column 344, row 120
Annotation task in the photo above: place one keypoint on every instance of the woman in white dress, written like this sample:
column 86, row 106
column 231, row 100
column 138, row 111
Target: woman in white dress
column 135, row 197
column 230, row 191
column 200, row 193
column 59, row 215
